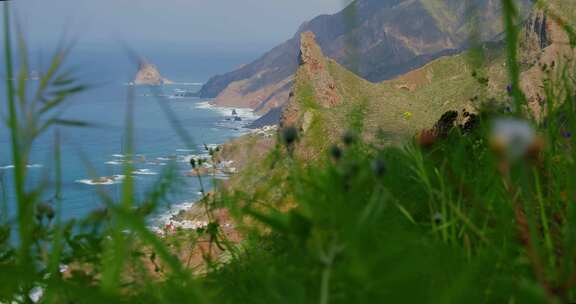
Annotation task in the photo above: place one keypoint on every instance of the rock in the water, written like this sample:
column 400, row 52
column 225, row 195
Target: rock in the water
column 148, row 74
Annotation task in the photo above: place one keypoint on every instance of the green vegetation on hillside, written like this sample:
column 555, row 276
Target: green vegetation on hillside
column 395, row 194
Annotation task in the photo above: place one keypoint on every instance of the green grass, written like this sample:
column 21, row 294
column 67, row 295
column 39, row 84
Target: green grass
column 456, row 221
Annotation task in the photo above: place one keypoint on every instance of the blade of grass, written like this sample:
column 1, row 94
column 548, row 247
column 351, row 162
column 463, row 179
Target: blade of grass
column 57, row 247
column 25, row 209
column 116, row 255
column 510, row 18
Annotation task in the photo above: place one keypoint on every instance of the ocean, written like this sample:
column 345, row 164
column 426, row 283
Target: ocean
column 101, row 146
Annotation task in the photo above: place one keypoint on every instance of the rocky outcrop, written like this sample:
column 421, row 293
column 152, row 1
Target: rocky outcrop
column 290, row 115
column 312, row 71
column 313, row 64
column 545, row 47
column 377, row 39
column 535, row 37
column 148, row 74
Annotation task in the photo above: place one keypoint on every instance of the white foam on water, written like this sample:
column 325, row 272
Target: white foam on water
column 244, row 113
column 103, row 181
column 127, row 155
column 114, row 163
column 167, row 223
column 30, row 166
column 163, row 218
column 166, row 220
column 144, row 172
column 188, row 83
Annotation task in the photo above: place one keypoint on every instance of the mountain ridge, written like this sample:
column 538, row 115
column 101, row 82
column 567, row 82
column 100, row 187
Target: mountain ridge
column 376, row 39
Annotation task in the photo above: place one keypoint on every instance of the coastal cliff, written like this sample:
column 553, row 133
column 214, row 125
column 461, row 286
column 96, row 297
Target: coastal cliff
column 391, row 37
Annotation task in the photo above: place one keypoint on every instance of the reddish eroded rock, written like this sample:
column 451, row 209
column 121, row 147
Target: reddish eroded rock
column 313, row 63
column 546, row 46
column 291, row 113
column 312, row 72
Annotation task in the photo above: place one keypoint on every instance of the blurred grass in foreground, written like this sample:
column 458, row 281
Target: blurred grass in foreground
column 472, row 216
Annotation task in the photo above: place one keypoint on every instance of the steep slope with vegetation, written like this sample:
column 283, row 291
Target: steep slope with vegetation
column 377, row 39
column 351, row 203
column 328, row 102
column 471, row 211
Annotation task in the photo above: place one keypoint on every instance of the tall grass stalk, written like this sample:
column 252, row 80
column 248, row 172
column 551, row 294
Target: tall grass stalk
column 24, row 206
column 511, row 23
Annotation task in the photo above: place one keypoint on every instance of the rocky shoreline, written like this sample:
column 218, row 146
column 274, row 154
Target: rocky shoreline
column 225, row 161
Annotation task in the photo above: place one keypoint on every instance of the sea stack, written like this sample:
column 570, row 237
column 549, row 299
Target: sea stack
column 148, row 74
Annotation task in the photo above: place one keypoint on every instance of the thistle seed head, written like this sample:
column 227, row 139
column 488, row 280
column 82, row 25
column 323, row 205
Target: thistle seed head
column 349, row 138
column 335, row 153
column 289, row 135
column 379, row 167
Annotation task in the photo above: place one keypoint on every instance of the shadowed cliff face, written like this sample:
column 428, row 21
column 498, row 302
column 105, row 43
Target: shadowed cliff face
column 377, row 39
column 546, row 49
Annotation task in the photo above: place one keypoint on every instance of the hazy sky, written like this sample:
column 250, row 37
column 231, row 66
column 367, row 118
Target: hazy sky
column 242, row 24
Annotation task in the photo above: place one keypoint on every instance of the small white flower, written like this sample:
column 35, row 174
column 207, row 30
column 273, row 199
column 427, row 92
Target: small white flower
column 513, row 136
column 63, row 268
column 36, row 294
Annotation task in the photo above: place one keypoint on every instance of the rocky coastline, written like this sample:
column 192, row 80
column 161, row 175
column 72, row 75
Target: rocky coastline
column 224, row 162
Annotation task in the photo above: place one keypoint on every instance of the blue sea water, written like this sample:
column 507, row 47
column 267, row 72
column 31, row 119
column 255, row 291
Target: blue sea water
column 102, row 147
